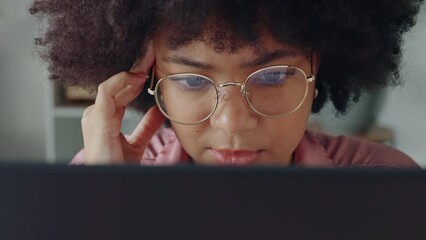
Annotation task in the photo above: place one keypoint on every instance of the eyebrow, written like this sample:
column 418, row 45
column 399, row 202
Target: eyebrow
column 187, row 62
column 269, row 57
column 259, row 61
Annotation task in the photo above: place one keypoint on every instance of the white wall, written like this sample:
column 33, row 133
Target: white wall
column 23, row 88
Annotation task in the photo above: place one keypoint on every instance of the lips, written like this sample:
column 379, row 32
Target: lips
column 235, row 157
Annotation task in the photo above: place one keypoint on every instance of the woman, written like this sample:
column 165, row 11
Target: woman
column 235, row 80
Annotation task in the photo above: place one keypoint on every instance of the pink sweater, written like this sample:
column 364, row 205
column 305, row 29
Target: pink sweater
column 314, row 150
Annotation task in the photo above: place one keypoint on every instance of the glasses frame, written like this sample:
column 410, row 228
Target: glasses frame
column 242, row 86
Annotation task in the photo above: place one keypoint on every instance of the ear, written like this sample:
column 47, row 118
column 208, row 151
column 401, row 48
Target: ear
column 143, row 65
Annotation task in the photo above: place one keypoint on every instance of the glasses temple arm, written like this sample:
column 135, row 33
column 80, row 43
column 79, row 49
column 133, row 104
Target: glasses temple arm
column 151, row 85
column 312, row 77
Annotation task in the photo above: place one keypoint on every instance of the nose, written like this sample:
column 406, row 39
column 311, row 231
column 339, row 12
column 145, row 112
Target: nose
column 233, row 114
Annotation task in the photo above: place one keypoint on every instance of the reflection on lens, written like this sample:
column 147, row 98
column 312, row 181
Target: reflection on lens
column 186, row 98
column 276, row 91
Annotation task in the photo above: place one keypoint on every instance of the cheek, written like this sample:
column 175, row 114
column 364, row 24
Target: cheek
column 286, row 133
column 187, row 106
column 190, row 137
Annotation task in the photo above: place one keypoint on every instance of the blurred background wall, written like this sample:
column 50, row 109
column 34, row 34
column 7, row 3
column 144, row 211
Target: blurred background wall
column 22, row 85
column 25, row 99
column 405, row 106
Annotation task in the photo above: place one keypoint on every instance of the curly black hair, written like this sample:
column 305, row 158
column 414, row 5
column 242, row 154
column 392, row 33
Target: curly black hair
column 359, row 40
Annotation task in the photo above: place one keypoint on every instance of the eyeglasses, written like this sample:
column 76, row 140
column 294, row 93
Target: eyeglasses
column 272, row 92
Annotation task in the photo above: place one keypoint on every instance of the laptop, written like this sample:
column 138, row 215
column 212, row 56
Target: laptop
column 190, row 202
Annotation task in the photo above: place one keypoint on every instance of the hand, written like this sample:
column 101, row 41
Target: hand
column 101, row 122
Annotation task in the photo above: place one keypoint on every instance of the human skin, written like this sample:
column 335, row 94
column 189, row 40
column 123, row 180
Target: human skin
column 235, row 129
column 101, row 122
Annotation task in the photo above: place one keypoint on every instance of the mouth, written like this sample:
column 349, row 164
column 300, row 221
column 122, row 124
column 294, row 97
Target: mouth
column 235, row 157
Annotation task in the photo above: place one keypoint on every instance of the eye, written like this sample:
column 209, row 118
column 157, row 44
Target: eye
column 274, row 77
column 270, row 77
column 191, row 83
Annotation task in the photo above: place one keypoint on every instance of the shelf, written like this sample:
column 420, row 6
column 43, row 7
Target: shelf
column 77, row 112
column 68, row 112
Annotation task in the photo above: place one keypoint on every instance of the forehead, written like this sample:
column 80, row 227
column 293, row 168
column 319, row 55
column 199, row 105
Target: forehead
column 200, row 56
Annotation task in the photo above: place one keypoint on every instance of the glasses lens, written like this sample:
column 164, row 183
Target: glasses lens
column 186, row 98
column 276, row 91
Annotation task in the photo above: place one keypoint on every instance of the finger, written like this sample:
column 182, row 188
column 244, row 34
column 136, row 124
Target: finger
column 144, row 65
column 87, row 113
column 85, row 122
column 132, row 154
column 127, row 95
column 118, row 82
column 147, row 127
column 105, row 99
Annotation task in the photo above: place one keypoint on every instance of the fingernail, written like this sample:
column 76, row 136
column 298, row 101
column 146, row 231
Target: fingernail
column 134, row 66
